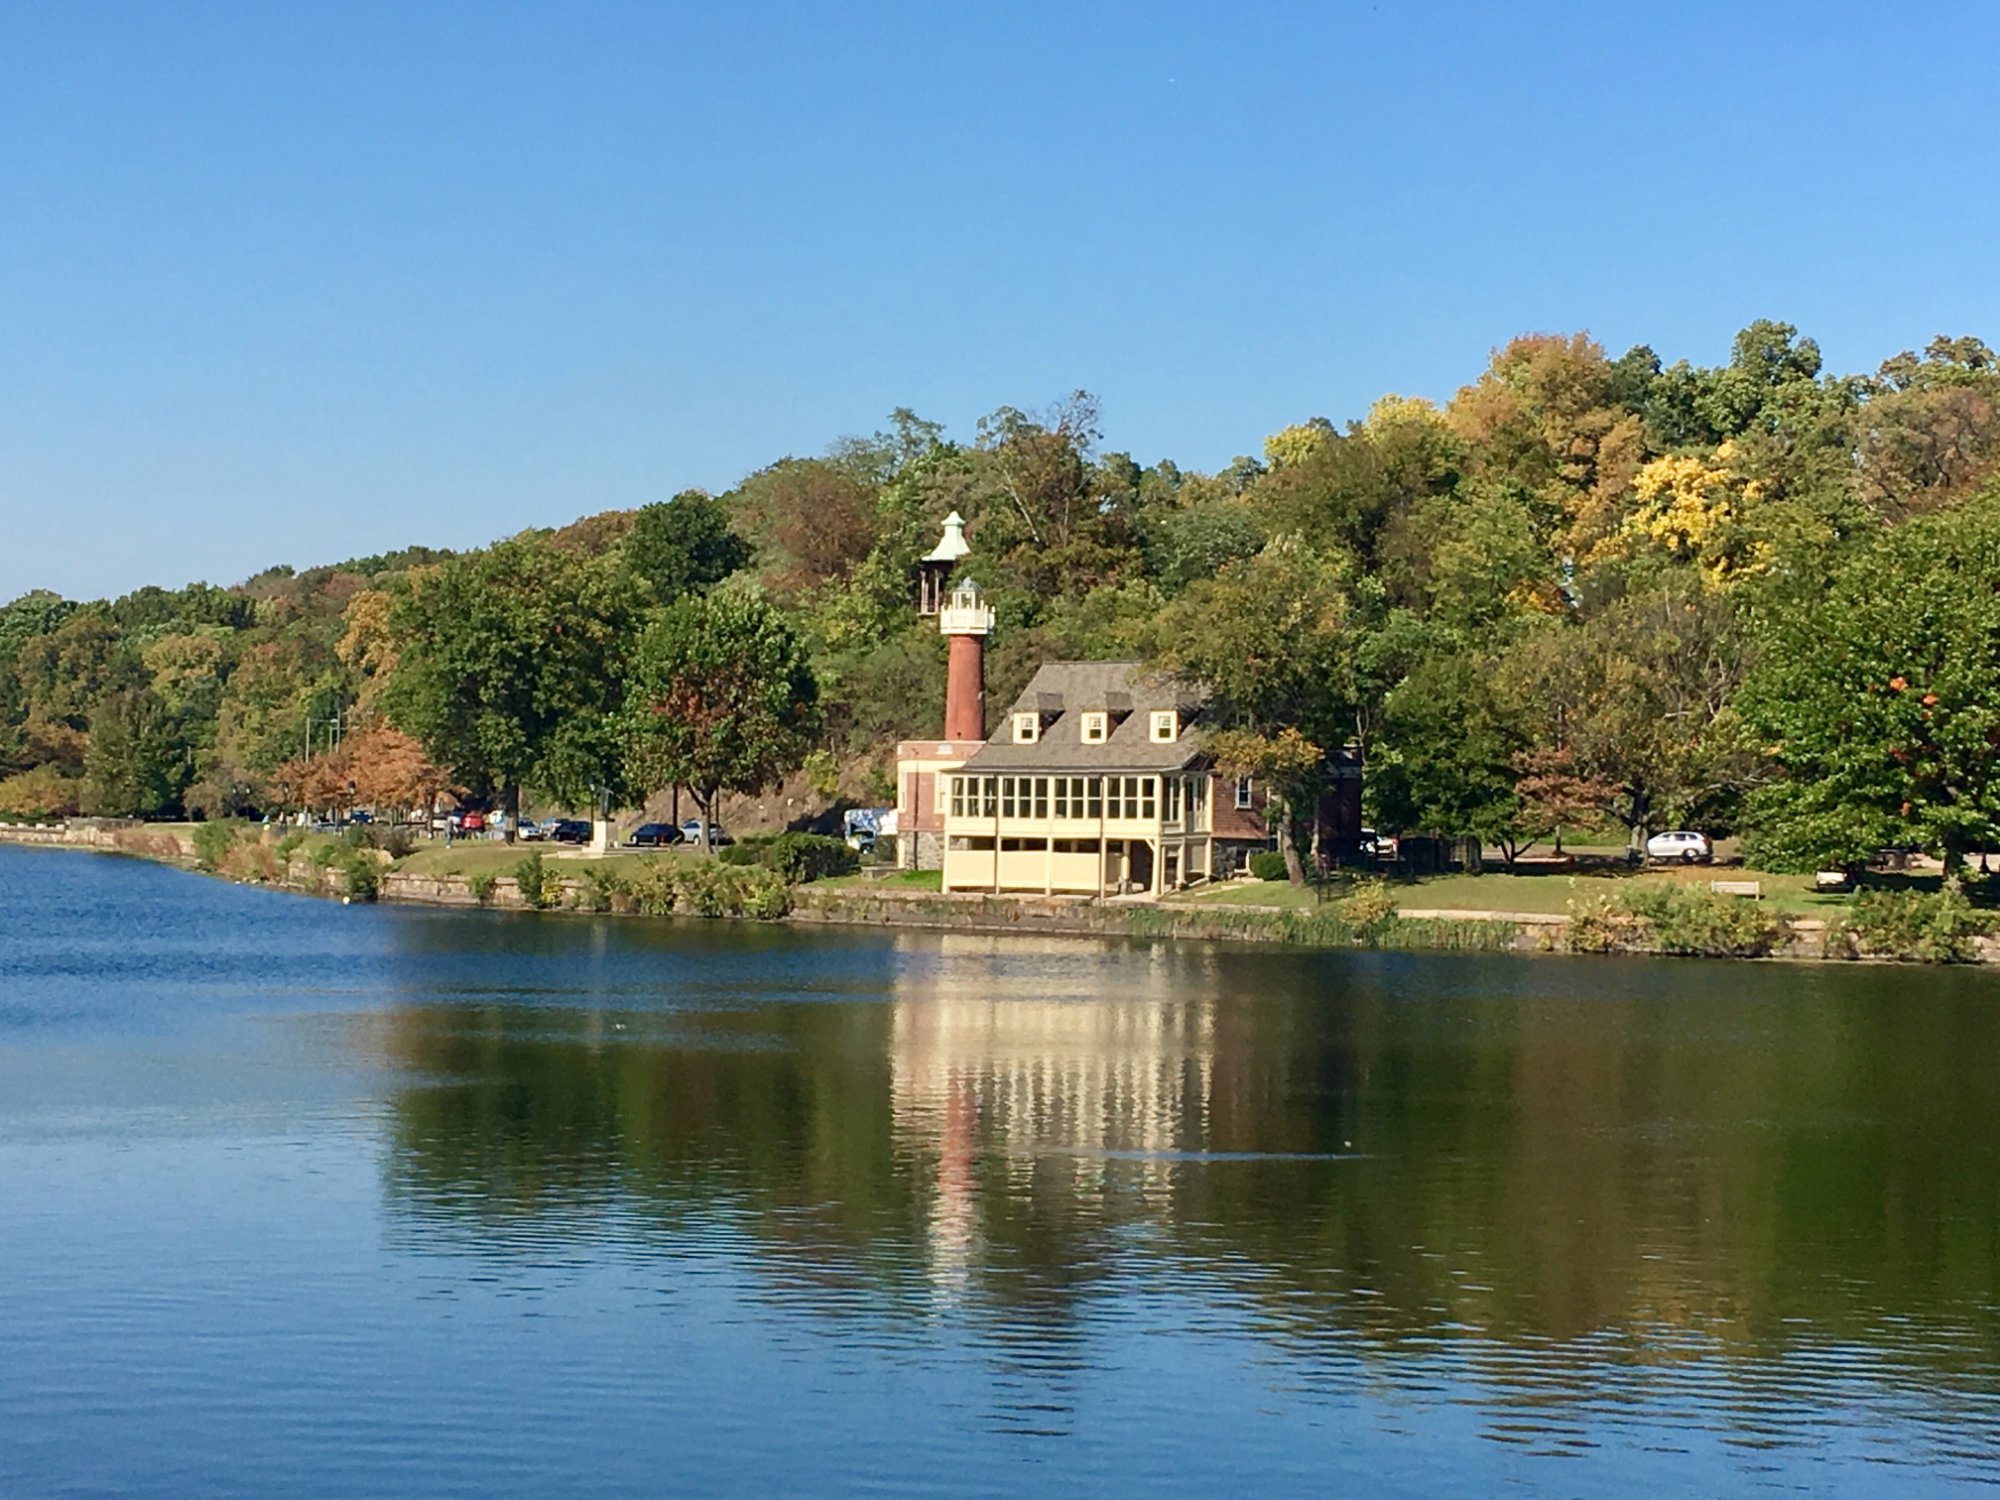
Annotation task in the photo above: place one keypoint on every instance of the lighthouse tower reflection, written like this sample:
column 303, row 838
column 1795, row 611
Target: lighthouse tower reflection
column 1005, row 1059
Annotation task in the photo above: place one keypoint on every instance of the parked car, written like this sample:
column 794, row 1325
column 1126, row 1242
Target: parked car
column 653, row 835
column 472, row 822
column 528, row 828
column 1680, row 846
column 1378, row 845
column 691, row 834
column 569, row 831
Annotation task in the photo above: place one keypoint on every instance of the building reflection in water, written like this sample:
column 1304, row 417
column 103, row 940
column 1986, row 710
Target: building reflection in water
column 1562, row 1175
column 998, row 1046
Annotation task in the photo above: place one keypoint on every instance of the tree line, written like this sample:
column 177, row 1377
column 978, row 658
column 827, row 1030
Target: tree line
column 1584, row 592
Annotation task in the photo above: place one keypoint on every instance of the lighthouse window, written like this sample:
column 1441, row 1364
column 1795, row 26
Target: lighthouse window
column 1027, row 728
column 1095, row 727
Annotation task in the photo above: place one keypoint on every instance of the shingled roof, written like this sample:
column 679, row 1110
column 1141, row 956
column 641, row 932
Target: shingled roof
column 1062, row 692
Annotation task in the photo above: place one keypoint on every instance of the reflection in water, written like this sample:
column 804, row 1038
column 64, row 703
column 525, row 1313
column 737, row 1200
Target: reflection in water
column 1601, row 1202
column 992, row 1051
column 468, row 1203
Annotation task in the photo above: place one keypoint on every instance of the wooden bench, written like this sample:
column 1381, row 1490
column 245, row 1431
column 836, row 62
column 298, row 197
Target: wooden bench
column 1752, row 889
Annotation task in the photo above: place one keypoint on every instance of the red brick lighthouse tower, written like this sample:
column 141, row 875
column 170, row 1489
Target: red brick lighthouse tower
column 965, row 620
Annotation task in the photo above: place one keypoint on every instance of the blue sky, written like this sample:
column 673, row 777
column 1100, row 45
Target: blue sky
column 287, row 283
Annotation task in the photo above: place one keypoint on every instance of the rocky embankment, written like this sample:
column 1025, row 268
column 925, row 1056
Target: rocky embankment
column 267, row 860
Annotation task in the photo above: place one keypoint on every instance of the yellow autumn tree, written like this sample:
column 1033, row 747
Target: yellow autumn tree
column 1291, row 446
column 1700, row 511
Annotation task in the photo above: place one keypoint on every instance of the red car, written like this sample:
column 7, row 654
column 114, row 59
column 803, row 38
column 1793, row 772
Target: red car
column 472, row 822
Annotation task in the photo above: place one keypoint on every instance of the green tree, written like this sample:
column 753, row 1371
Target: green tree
column 721, row 698
column 684, row 546
column 1640, row 699
column 1443, row 761
column 1274, row 638
column 136, row 766
column 1880, row 698
column 508, row 668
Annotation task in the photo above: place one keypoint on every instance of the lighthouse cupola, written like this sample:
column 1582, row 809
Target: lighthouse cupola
column 934, row 569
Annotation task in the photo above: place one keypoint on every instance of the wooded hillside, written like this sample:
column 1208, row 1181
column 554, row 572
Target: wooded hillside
column 1759, row 597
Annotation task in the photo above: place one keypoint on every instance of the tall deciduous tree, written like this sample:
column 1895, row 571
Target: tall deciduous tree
column 508, row 665
column 720, row 698
column 1445, row 766
column 1273, row 638
column 684, row 546
column 1880, row 698
column 1640, row 698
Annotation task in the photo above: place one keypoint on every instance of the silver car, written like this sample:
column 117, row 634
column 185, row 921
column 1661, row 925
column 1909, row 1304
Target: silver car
column 1680, row 847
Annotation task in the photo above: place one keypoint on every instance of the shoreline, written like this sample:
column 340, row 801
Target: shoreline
column 1414, row 929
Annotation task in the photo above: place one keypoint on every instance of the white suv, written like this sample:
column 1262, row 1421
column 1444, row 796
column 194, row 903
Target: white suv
column 1687, row 848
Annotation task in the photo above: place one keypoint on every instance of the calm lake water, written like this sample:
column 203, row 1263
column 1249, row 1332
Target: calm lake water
column 303, row 1199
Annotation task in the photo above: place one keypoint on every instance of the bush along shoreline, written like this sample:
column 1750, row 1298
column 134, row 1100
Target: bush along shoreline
column 1681, row 920
column 785, row 877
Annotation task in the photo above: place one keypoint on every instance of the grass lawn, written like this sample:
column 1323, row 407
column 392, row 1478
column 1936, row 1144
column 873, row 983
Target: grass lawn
column 902, row 880
column 469, row 856
column 1551, row 892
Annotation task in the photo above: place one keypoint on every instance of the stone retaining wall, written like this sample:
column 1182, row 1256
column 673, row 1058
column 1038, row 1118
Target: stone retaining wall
column 858, row 906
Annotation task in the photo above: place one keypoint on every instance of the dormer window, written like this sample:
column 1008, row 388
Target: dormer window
column 1096, row 728
column 1166, row 726
column 1027, row 728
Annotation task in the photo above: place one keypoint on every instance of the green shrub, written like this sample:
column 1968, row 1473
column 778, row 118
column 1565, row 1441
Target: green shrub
column 1938, row 927
column 289, row 845
column 802, row 857
column 362, row 874
column 43, row 792
column 1269, row 864
column 539, row 884
column 655, row 887
column 480, row 884
column 706, row 889
column 326, row 856
column 397, row 840
column 1368, row 909
column 212, row 843
column 600, row 889
column 796, row 857
column 1690, row 919
column 761, row 894
column 1672, row 917
column 1599, row 924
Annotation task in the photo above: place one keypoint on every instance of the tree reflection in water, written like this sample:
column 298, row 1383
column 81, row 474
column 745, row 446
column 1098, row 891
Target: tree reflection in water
column 1721, row 1182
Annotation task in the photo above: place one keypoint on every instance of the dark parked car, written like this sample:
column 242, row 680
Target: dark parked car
column 654, row 835
column 569, row 831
